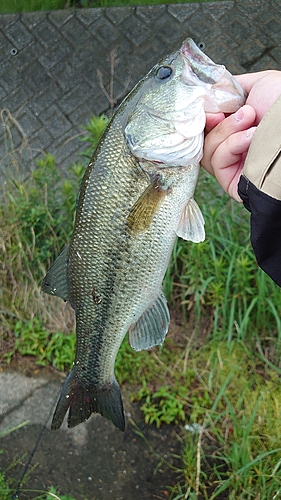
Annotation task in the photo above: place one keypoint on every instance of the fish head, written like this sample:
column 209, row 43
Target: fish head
column 167, row 123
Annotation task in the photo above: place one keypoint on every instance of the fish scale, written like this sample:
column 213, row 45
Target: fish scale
column 135, row 198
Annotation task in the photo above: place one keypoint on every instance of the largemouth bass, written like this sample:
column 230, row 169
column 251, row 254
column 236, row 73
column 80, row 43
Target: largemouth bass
column 135, row 198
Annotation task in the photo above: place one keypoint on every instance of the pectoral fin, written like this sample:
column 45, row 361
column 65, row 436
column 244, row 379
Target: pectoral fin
column 152, row 326
column 55, row 281
column 191, row 225
column 148, row 204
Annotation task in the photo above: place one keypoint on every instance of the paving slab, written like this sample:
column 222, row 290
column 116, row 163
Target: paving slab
column 49, row 60
column 14, row 389
column 25, row 399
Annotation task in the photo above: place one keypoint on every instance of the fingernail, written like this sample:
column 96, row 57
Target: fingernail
column 250, row 132
column 239, row 115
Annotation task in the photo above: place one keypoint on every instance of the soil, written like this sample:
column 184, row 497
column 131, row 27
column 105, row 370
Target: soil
column 93, row 461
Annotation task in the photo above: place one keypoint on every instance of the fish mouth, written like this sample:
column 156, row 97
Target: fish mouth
column 220, row 86
column 198, row 65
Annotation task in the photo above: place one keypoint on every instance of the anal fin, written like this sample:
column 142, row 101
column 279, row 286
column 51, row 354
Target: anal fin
column 152, row 327
column 191, row 225
column 55, row 281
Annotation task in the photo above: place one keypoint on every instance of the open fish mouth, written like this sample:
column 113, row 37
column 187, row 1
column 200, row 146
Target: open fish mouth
column 223, row 92
column 198, row 66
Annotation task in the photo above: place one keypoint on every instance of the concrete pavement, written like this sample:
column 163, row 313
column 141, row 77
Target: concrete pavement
column 93, row 461
column 49, row 61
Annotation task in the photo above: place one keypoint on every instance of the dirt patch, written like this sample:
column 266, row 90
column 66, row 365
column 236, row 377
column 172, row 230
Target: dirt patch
column 93, row 461
column 96, row 462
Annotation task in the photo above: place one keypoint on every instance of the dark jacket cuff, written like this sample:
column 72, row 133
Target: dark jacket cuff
column 265, row 227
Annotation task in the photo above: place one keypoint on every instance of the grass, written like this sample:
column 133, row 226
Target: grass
column 7, row 491
column 217, row 376
column 13, row 6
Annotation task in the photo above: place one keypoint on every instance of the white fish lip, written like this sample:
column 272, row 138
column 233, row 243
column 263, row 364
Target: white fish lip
column 220, row 85
column 203, row 69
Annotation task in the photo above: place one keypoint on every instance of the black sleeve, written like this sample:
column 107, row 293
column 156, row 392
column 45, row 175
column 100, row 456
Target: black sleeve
column 265, row 227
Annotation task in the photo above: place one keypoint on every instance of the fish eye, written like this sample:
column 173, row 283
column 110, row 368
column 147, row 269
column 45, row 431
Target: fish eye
column 164, row 72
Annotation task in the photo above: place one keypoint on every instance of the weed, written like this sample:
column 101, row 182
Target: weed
column 163, row 406
column 93, row 132
column 222, row 376
column 109, row 94
column 5, row 489
column 36, row 219
column 52, row 494
column 32, row 339
column 8, row 430
column 221, row 275
column 10, row 6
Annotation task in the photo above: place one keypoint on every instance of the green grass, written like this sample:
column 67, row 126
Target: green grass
column 7, row 492
column 237, row 448
column 50, row 349
column 13, row 6
column 218, row 371
column 5, row 489
column 120, row 3
column 8, row 486
column 53, row 495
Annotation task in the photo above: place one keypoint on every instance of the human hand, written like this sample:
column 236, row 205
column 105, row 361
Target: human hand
column 228, row 138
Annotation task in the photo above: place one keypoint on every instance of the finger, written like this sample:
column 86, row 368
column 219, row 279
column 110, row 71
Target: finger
column 241, row 120
column 248, row 80
column 228, row 160
column 212, row 120
column 264, row 92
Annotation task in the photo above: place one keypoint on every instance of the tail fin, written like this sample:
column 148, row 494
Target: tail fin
column 82, row 400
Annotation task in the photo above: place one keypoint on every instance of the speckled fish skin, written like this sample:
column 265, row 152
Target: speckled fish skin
column 136, row 196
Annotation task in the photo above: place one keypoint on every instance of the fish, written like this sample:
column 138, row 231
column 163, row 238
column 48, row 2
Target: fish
column 135, row 198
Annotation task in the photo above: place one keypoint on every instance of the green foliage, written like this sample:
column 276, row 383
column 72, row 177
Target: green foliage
column 117, row 3
column 5, row 490
column 220, row 376
column 11, row 6
column 221, row 274
column 54, row 495
column 164, row 405
column 37, row 217
column 8, row 430
column 231, row 410
column 233, row 447
column 94, row 130
column 32, row 339
column 36, row 221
